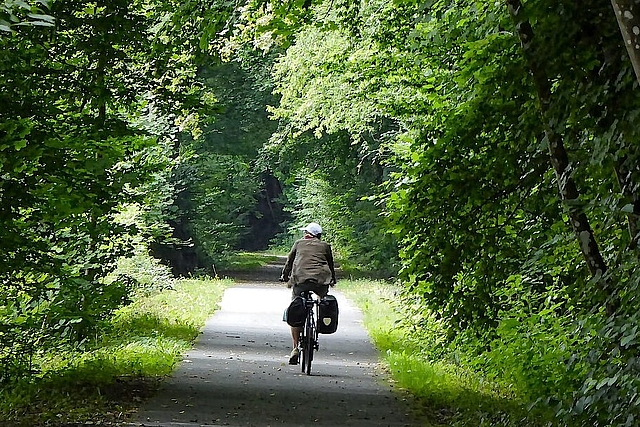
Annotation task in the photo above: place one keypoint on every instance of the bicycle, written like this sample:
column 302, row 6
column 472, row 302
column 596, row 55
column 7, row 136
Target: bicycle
column 308, row 341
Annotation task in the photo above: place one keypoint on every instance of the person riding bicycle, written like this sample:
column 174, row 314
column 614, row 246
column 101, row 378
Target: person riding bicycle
column 309, row 267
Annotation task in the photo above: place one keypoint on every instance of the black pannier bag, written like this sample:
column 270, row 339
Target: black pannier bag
column 294, row 314
column 328, row 319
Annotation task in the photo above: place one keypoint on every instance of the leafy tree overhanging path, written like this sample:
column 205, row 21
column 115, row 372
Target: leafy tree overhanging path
column 238, row 375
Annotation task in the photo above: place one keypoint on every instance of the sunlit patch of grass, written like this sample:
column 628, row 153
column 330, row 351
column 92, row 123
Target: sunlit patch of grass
column 248, row 260
column 377, row 300
column 107, row 378
column 445, row 394
column 423, row 379
column 185, row 308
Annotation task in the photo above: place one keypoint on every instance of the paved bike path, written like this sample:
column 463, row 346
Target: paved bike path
column 237, row 374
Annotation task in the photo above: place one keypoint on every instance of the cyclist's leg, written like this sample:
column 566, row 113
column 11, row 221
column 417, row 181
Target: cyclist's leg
column 295, row 352
column 295, row 330
column 295, row 335
column 296, row 291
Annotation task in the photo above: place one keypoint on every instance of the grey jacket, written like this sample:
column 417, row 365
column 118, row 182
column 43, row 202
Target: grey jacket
column 310, row 259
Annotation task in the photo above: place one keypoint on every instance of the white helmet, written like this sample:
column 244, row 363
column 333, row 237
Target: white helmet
column 313, row 228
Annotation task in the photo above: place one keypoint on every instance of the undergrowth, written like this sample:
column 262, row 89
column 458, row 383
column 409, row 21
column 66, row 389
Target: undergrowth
column 102, row 380
column 446, row 391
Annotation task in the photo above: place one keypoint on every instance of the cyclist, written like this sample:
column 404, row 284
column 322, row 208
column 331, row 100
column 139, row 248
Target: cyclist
column 310, row 268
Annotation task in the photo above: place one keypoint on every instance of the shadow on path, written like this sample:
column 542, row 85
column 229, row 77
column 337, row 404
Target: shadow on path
column 237, row 374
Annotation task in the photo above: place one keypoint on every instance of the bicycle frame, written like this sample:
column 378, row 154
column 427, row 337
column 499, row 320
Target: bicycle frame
column 308, row 341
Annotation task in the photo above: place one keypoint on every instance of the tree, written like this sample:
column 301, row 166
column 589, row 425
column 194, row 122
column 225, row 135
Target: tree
column 557, row 152
column 82, row 129
column 469, row 110
column 629, row 21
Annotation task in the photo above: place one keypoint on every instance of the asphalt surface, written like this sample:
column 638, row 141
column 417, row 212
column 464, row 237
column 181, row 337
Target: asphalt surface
column 238, row 372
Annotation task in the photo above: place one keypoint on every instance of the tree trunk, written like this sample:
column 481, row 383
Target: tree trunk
column 628, row 16
column 558, row 155
column 626, row 170
column 101, row 66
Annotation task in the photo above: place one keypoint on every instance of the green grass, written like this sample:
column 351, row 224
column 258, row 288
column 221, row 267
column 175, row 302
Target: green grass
column 248, row 260
column 376, row 300
column 444, row 393
column 142, row 343
column 107, row 379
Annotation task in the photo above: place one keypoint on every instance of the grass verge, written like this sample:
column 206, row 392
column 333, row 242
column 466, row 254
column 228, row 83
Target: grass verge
column 103, row 382
column 445, row 393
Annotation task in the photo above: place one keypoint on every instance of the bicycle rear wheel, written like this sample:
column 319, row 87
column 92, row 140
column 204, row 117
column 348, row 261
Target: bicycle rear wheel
column 309, row 343
column 303, row 351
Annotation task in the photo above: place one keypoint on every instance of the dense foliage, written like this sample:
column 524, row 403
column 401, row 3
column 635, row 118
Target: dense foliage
column 121, row 136
column 90, row 112
column 224, row 201
column 507, row 133
column 329, row 151
column 486, row 152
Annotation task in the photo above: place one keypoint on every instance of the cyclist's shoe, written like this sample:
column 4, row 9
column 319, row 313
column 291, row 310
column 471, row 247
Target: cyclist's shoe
column 293, row 359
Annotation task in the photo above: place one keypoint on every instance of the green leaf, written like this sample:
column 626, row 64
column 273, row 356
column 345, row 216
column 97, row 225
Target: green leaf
column 41, row 17
column 628, row 339
column 628, row 208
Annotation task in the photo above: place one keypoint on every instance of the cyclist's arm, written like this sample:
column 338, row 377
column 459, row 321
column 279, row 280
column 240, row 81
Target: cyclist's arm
column 329, row 256
column 286, row 271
